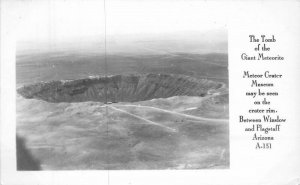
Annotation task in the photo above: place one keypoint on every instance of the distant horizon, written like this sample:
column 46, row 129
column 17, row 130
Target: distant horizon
column 215, row 41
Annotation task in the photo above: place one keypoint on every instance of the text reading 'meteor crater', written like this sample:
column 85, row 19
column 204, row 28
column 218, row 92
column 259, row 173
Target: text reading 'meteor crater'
column 262, row 119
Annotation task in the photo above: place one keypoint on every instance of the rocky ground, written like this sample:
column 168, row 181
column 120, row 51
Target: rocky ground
column 170, row 133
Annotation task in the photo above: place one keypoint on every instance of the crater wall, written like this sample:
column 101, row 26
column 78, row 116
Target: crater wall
column 119, row 88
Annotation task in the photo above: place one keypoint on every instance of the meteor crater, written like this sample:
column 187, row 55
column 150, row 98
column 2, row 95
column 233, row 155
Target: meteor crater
column 119, row 88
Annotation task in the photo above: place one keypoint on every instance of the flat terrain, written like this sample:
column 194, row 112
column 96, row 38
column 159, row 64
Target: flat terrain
column 38, row 67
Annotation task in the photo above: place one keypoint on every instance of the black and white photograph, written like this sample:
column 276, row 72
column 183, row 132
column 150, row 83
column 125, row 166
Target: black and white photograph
column 118, row 86
column 149, row 92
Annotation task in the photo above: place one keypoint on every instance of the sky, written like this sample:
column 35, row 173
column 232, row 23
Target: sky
column 127, row 21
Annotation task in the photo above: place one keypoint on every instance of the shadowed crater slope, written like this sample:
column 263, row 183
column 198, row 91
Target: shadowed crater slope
column 119, row 88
